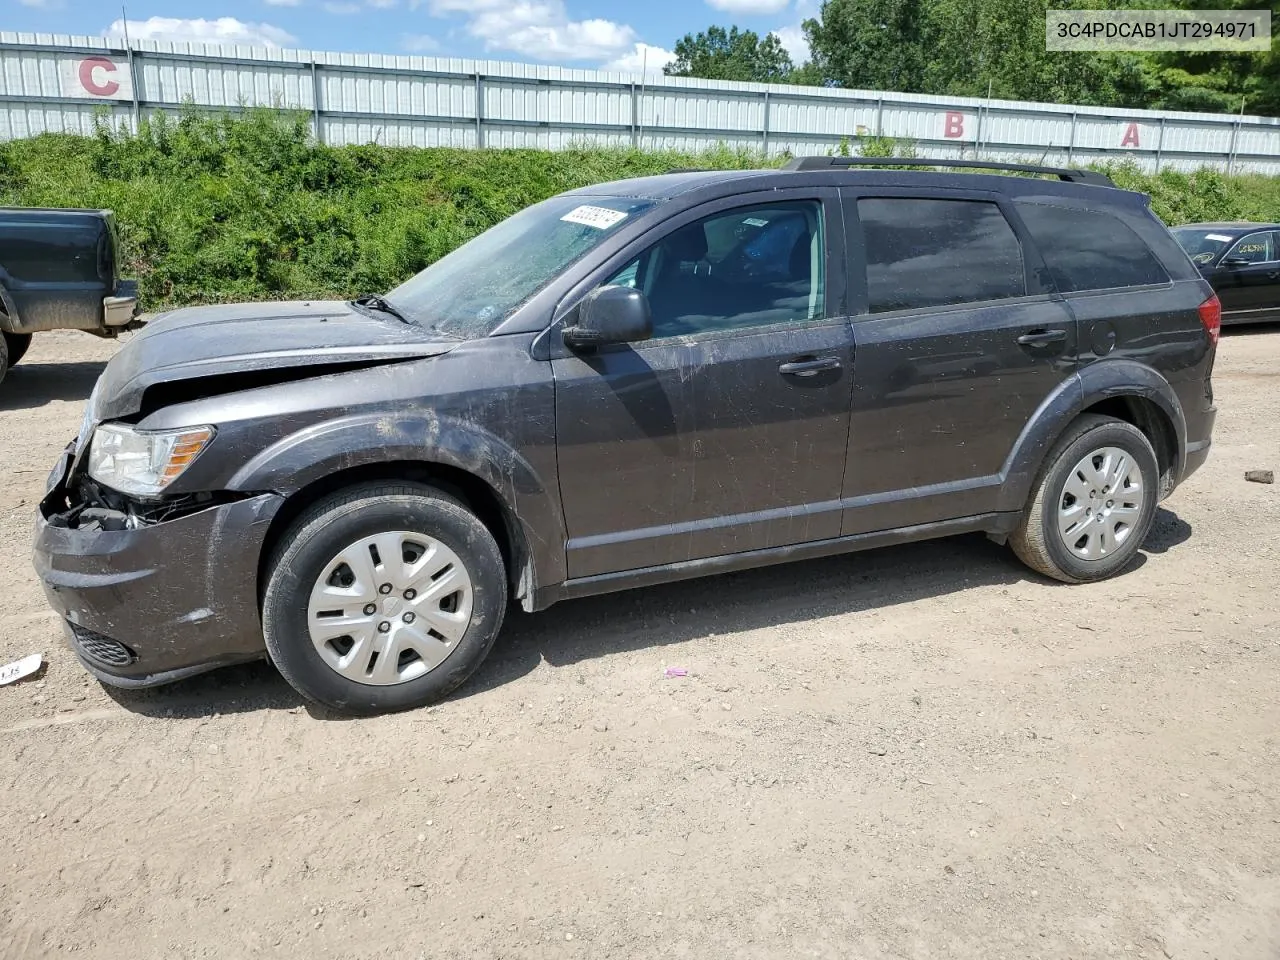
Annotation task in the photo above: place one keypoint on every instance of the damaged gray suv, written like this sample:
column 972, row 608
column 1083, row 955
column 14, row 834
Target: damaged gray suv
column 625, row 385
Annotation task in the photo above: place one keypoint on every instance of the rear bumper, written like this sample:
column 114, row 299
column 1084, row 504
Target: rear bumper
column 1197, row 454
column 119, row 311
column 76, row 310
column 163, row 601
column 1199, row 435
column 1195, row 397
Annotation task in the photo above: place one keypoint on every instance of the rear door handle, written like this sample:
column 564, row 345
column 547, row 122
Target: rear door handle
column 808, row 368
column 1042, row 338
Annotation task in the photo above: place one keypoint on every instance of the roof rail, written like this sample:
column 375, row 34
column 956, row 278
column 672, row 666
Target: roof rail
column 1062, row 173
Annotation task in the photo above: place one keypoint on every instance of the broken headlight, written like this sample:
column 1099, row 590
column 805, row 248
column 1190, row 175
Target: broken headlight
column 87, row 421
column 143, row 462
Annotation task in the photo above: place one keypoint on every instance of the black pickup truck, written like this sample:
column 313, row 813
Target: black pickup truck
column 58, row 271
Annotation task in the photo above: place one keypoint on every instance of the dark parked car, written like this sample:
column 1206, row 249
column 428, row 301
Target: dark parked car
column 628, row 384
column 58, row 272
column 1242, row 262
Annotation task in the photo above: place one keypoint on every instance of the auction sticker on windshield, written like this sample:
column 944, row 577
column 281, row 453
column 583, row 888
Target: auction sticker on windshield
column 602, row 218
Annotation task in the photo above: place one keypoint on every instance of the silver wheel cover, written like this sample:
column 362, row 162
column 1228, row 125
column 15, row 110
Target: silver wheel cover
column 390, row 608
column 1100, row 504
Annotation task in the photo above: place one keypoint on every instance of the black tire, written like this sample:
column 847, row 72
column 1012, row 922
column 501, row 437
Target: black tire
column 327, row 528
column 1037, row 541
column 4, row 357
column 17, row 344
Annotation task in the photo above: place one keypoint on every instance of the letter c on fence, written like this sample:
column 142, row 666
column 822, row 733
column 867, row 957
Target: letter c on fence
column 107, row 87
column 954, row 129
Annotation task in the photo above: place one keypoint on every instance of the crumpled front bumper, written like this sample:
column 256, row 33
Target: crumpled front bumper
column 166, row 600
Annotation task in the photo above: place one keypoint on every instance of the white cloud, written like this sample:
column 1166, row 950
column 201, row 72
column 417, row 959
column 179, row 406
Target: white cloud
column 342, row 9
column 749, row 6
column 419, row 43
column 382, row 4
column 222, row 30
column 42, row 4
column 794, row 42
column 644, row 57
column 539, row 29
column 283, row 3
column 575, row 40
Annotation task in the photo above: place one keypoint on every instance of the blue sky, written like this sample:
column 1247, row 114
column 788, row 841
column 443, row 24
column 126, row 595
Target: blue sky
column 579, row 33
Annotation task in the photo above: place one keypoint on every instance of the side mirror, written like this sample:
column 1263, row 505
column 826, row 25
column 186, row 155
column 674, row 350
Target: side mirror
column 1236, row 261
column 610, row 315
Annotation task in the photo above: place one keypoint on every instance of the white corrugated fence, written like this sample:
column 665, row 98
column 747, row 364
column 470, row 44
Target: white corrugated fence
column 60, row 83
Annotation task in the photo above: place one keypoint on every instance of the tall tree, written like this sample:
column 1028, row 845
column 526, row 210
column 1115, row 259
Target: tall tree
column 970, row 47
column 1216, row 80
column 870, row 44
column 733, row 54
column 999, row 46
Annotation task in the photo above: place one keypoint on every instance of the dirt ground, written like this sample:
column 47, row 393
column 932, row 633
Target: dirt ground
column 918, row 752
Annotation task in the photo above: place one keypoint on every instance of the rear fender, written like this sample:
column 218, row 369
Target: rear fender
column 1099, row 381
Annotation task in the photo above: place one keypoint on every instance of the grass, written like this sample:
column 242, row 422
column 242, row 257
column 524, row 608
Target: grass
column 247, row 206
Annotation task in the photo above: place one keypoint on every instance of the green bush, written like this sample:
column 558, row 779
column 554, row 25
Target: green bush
column 219, row 207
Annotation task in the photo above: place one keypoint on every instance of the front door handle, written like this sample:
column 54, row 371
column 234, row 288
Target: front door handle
column 808, row 368
column 1042, row 338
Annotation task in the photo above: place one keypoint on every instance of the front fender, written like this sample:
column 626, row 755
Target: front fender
column 319, row 451
column 1092, row 384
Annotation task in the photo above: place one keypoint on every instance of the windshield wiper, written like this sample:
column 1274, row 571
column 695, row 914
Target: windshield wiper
column 375, row 302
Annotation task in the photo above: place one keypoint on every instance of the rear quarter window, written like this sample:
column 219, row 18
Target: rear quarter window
column 1089, row 249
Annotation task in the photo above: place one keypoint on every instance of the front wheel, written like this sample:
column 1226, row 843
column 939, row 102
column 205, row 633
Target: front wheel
column 383, row 597
column 1093, row 504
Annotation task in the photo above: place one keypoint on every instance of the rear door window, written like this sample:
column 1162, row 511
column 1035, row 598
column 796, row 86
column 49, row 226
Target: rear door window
column 924, row 253
column 1089, row 249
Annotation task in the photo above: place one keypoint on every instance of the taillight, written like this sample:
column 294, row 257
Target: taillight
column 1211, row 317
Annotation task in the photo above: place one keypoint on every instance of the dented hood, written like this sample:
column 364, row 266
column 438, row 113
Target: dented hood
column 241, row 338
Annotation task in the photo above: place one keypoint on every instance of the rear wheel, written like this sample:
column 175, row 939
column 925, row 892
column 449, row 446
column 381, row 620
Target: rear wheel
column 383, row 597
column 1093, row 504
column 17, row 344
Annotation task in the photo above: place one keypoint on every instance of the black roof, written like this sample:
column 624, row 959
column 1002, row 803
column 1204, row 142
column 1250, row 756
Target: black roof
column 1233, row 229
column 710, row 184
column 52, row 213
column 664, row 186
column 1068, row 174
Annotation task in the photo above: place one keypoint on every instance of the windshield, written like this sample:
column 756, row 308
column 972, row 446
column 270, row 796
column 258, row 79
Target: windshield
column 473, row 289
column 1203, row 246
